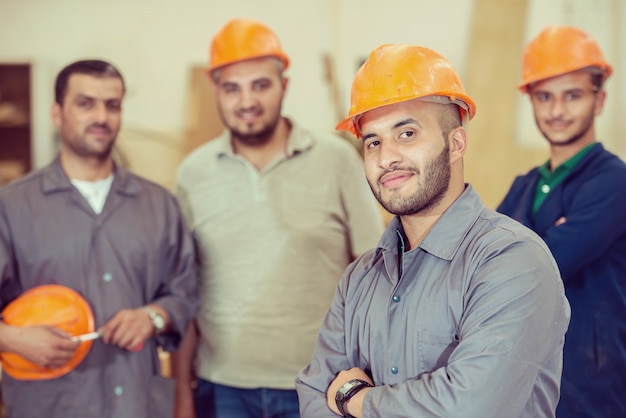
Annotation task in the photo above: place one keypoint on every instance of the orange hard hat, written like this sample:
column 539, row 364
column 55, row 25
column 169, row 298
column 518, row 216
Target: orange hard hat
column 558, row 50
column 398, row 73
column 244, row 39
column 53, row 305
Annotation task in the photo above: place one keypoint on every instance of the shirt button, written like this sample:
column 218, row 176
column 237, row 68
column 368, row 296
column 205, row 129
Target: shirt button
column 118, row 390
column 396, row 298
column 545, row 188
column 107, row 277
column 394, row 370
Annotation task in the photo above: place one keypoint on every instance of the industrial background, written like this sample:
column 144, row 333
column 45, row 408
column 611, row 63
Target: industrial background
column 161, row 47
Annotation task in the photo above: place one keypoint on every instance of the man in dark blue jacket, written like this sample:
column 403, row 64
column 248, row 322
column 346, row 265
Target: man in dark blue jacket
column 576, row 202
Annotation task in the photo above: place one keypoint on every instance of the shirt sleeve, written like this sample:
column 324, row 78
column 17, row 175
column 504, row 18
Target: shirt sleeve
column 595, row 220
column 178, row 294
column 183, row 201
column 329, row 358
column 505, row 206
column 9, row 286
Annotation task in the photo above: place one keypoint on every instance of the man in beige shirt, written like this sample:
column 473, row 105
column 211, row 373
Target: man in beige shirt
column 278, row 212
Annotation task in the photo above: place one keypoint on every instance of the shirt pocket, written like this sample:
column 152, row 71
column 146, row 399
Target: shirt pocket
column 434, row 350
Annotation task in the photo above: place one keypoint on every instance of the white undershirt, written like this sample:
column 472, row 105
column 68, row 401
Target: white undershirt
column 95, row 192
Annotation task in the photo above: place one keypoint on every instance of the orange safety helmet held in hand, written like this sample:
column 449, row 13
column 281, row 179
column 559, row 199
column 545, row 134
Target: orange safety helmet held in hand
column 244, row 39
column 398, row 73
column 558, row 50
column 53, row 305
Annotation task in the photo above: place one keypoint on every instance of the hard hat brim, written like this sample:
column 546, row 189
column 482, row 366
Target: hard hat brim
column 283, row 58
column 462, row 100
column 601, row 66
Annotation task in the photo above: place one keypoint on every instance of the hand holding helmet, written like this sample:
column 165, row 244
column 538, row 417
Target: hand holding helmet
column 45, row 318
column 46, row 346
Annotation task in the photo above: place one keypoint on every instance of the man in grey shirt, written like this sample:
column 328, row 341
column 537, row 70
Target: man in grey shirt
column 117, row 240
column 459, row 311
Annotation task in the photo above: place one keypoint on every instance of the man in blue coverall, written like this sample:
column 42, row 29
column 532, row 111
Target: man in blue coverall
column 576, row 202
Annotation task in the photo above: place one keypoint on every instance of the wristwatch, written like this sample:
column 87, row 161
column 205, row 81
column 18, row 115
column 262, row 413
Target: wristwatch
column 157, row 319
column 347, row 391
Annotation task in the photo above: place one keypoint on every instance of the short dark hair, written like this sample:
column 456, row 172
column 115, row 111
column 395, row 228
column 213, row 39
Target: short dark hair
column 449, row 116
column 597, row 79
column 96, row 68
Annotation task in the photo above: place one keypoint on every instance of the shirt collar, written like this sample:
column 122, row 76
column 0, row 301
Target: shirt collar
column 55, row 179
column 299, row 141
column 446, row 236
column 567, row 166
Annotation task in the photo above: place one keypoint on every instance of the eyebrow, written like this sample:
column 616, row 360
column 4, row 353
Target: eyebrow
column 405, row 122
column 571, row 90
column 399, row 124
column 82, row 96
column 253, row 81
column 85, row 96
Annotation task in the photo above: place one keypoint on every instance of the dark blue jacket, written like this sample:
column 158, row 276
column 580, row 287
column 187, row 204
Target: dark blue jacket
column 590, row 249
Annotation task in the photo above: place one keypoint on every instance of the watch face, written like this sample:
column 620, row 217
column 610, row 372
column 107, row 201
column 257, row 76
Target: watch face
column 347, row 391
column 158, row 321
column 346, row 388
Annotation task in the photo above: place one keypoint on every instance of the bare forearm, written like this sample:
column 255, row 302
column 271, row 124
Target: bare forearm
column 5, row 337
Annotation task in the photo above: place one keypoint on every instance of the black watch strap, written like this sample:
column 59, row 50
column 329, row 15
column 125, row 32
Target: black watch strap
column 347, row 391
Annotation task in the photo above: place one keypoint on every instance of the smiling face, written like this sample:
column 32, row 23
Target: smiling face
column 249, row 97
column 565, row 108
column 89, row 117
column 407, row 156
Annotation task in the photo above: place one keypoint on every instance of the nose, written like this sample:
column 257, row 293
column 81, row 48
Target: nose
column 389, row 155
column 100, row 113
column 247, row 99
column 557, row 108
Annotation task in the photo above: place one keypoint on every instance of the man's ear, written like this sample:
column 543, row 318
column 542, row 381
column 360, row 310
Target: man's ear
column 600, row 99
column 284, row 81
column 55, row 112
column 458, row 143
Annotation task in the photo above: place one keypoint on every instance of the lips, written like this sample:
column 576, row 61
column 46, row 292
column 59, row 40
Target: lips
column 99, row 130
column 395, row 178
column 250, row 114
column 558, row 124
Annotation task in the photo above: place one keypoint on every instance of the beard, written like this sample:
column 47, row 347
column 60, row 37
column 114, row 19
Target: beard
column 431, row 187
column 255, row 139
column 249, row 137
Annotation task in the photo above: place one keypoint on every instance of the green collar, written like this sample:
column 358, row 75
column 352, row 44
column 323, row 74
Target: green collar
column 548, row 180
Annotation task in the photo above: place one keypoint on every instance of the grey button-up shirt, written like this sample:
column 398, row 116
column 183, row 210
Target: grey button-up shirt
column 136, row 251
column 470, row 323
